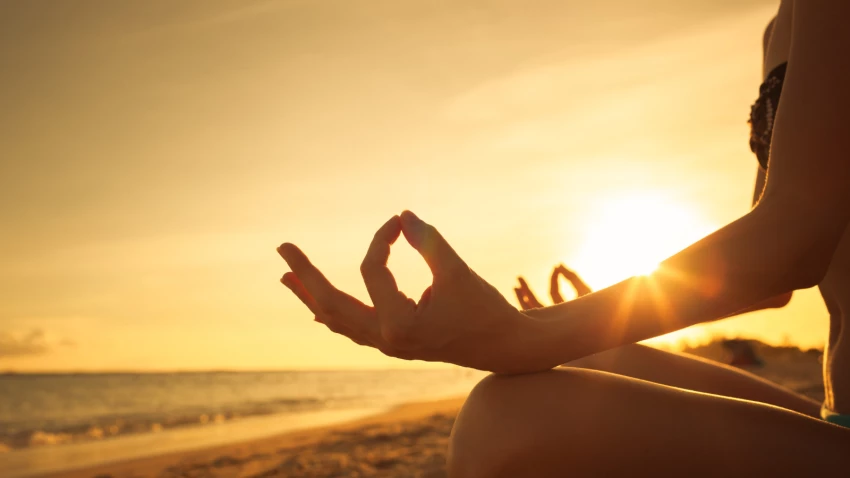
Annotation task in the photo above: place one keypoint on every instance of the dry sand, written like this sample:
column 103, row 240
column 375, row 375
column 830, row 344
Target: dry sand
column 409, row 441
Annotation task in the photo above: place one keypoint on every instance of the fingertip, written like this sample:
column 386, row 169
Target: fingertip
column 285, row 248
column 409, row 218
column 413, row 229
column 393, row 223
column 395, row 228
column 292, row 254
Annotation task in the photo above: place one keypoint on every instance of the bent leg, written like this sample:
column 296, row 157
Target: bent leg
column 694, row 373
column 575, row 422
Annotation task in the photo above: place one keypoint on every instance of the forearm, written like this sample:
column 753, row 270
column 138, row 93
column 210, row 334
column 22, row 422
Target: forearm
column 773, row 303
column 776, row 302
column 758, row 257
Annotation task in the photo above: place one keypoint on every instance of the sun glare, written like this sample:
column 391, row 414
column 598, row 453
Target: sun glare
column 632, row 233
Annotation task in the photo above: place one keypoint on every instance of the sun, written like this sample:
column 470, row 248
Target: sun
column 630, row 234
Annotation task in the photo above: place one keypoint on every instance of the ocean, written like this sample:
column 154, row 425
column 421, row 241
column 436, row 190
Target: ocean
column 51, row 422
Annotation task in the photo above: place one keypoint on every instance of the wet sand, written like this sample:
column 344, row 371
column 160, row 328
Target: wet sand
column 408, row 441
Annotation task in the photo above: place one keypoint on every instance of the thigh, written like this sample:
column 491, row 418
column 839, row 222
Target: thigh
column 694, row 373
column 588, row 423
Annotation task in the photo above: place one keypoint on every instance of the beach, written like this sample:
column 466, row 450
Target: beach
column 162, row 162
column 53, row 423
column 408, row 440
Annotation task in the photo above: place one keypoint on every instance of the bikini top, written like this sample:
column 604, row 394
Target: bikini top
column 763, row 112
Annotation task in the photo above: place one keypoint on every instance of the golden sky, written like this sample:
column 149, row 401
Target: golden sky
column 154, row 153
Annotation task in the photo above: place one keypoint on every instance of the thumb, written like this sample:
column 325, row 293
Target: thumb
column 423, row 237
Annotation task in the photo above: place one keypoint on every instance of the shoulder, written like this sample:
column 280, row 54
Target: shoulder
column 768, row 31
column 820, row 38
column 820, row 17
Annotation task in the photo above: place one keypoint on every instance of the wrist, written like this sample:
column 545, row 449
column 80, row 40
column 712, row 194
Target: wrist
column 561, row 334
column 532, row 344
column 540, row 313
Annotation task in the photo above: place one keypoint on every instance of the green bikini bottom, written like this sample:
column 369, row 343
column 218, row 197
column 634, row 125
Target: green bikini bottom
column 835, row 418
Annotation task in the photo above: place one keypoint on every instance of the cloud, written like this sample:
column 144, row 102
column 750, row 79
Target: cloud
column 210, row 17
column 33, row 342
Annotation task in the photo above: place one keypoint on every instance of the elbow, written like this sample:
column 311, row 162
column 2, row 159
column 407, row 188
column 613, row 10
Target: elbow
column 803, row 240
column 779, row 301
column 810, row 269
column 783, row 300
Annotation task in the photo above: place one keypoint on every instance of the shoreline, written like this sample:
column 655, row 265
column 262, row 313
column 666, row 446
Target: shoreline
column 406, row 440
column 299, row 448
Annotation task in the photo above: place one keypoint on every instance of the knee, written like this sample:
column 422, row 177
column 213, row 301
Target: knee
column 499, row 426
column 476, row 448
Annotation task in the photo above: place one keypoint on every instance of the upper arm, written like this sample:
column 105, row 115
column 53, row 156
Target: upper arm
column 809, row 169
column 760, row 173
column 768, row 32
column 760, row 179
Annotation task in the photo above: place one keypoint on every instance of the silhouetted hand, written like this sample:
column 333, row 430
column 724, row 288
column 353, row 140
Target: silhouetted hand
column 526, row 298
column 579, row 285
column 460, row 318
column 528, row 301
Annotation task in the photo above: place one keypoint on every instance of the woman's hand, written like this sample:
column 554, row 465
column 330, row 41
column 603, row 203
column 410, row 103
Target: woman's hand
column 460, row 318
column 526, row 298
column 555, row 286
column 528, row 301
column 578, row 284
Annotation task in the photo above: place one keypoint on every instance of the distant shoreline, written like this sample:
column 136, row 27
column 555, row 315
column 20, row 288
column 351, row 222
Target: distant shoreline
column 342, row 441
column 682, row 346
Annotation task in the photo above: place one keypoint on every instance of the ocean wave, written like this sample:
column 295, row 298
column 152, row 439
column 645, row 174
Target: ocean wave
column 47, row 410
column 100, row 428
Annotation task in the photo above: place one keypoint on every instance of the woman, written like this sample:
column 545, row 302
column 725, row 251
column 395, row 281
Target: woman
column 656, row 414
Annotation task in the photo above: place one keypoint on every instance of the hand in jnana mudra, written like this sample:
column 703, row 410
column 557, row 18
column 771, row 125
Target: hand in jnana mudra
column 527, row 299
column 459, row 319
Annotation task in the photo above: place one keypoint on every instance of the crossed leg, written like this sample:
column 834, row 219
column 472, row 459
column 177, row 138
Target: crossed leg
column 580, row 422
column 697, row 374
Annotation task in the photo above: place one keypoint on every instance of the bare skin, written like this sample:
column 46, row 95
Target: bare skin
column 786, row 242
column 573, row 422
column 835, row 286
column 527, row 300
column 578, row 284
column 673, row 369
column 584, row 422
column 606, row 402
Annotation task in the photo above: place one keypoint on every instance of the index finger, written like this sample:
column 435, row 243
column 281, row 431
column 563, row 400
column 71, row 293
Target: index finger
column 324, row 293
column 523, row 284
column 438, row 254
column 379, row 280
